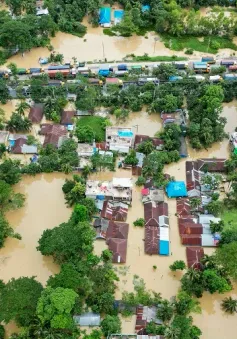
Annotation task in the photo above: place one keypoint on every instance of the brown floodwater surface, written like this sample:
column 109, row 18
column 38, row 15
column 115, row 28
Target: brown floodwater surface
column 45, row 208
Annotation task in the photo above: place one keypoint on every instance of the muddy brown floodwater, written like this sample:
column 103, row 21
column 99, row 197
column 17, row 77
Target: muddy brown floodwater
column 45, row 208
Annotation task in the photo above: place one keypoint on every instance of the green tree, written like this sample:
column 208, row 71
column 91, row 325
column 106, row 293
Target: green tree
column 185, row 304
column 172, row 332
column 111, row 324
column 168, row 103
column 131, row 158
column 177, row 265
column 165, row 311
column 18, row 300
column 140, row 181
column 3, row 150
column 22, row 107
column 10, row 171
column 18, row 124
column 139, row 222
column 79, row 214
column 4, row 93
column 195, row 203
column 146, row 147
column 217, row 226
column 127, row 26
column 213, row 282
column 229, row 305
column 84, row 133
column 2, row 332
column 56, row 306
column 164, row 71
column 9, row 200
column 226, row 256
column 67, row 241
column 6, row 231
column 88, row 99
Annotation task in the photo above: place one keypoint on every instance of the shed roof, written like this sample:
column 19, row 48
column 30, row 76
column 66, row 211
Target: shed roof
column 87, row 319
column 114, row 211
column 117, row 230
column 122, row 182
column 194, row 255
column 190, row 228
column 105, row 14
column 139, row 138
column 67, row 117
column 183, row 206
column 119, row 249
column 36, row 113
column 53, row 133
column 211, row 165
column 151, row 240
column 191, row 239
column 151, row 214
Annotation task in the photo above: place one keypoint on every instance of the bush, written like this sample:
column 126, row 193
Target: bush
column 189, row 51
column 140, row 181
column 140, row 222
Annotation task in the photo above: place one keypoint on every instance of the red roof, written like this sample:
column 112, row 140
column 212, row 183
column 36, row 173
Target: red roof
column 117, row 212
column 67, row 116
column 117, row 230
column 194, row 255
column 52, row 133
column 151, row 214
column 139, row 138
column 190, row 228
column 119, row 249
column 151, row 239
column 16, row 149
column 212, row 165
column 145, row 191
column 36, row 113
column 183, row 206
column 101, row 146
column 163, row 209
column 193, row 239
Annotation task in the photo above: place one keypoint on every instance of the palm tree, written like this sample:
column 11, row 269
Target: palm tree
column 21, row 107
column 86, row 171
column 193, row 274
column 172, row 332
column 195, row 203
column 229, row 305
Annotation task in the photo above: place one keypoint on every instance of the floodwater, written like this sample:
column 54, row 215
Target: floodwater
column 9, row 108
column 45, row 208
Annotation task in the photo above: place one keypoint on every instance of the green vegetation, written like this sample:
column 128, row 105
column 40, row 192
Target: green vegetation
column 111, row 324
column 229, row 305
column 178, row 265
column 90, row 128
column 146, row 57
column 140, row 222
column 207, row 44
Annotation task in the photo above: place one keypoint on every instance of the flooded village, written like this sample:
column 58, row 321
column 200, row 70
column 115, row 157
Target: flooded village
column 166, row 236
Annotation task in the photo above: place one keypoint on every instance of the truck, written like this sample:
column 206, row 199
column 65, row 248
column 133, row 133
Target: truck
column 95, row 81
column 21, row 71
column 36, row 70
column 75, row 81
column 233, row 68
column 228, row 62
column 197, row 77
column 114, row 81
column 215, row 78
column 122, row 67
column 174, row 78
column 58, row 67
column 180, row 64
column 230, row 77
column 120, row 73
column 143, row 81
column 208, row 59
column 201, row 67
column 137, row 68
column 52, row 73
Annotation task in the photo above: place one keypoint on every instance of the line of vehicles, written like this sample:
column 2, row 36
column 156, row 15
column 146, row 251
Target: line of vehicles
column 106, row 71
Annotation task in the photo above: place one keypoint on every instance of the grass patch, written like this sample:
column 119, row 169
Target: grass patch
column 97, row 124
column 210, row 44
column 146, row 57
column 142, row 31
column 108, row 31
column 229, row 217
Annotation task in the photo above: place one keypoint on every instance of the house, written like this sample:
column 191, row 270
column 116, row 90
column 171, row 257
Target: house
column 54, row 134
column 156, row 195
column 137, row 170
column 105, row 16
column 85, row 150
column 157, row 142
column 119, row 249
column 183, row 151
column 151, row 244
column 36, row 113
column 118, row 230
column 20, row 147
column 183, row 207
column 144, row 315
column 3, row 137
column 211, row 165
column 110, row 190
column 163, row 218
column 117, row 211
column 193, row 179
column 119, row 139
column 151, row 214
column 87, row 319
column 118, row 15
column 194, row 256
column 190, row 228
column 176, row 189
column 67, row 117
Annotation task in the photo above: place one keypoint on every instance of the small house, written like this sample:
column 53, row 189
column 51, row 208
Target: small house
column 151, row 214
column 105, row 16
column 20, row 147
column 36, row 113
column 119, row 249
column 67, row 117
column 194, row 256
column 87, row 319
column 176, row 189
column 211, row 165
column 119, row 139
column 117, row 211
column 183, row 151
column 118, row 15
column 151, row 244
column 55, row 134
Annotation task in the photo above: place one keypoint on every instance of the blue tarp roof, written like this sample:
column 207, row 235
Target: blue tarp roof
column 145, row 8
column 164, row 247
column 118, row 13
column 176, row 189
column 105, row 15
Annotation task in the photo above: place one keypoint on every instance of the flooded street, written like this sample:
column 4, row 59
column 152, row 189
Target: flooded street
column 45, row 208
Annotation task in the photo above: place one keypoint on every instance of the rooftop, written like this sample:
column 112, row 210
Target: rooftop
column 98, row 189
column 114, row 211
column 119, row 249
column 67, row 117
column 54, row 134
column 21, row 147
column 36, row 113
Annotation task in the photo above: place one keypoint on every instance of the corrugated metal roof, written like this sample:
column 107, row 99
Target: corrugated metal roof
column 164, row 233
column 87, row 319
column 194, row 255
column 208, row 240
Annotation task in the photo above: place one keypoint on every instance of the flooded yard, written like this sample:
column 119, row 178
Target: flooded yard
column 45, row 208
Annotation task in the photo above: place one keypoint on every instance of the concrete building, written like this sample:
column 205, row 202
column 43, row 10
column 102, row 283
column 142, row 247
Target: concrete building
column 119, row 139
